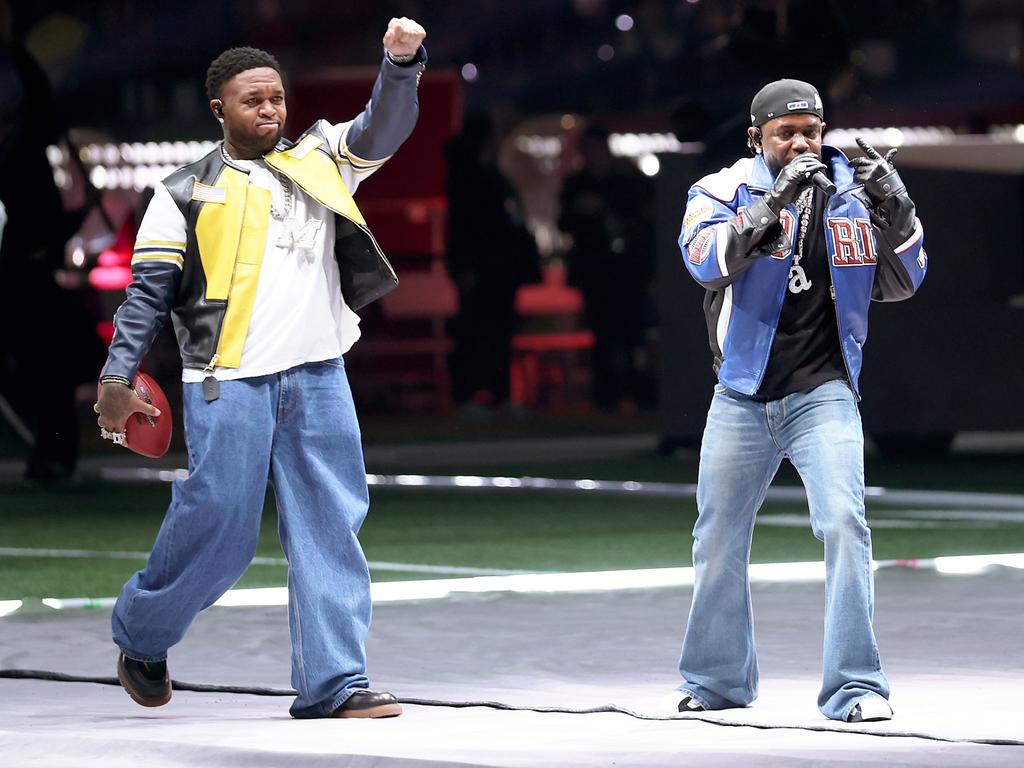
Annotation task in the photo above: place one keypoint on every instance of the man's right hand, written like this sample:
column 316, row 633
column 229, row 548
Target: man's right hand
column 118, row 401
column 792, row 178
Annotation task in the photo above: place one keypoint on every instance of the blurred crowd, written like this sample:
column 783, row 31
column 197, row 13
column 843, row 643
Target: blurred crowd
column 114, row 68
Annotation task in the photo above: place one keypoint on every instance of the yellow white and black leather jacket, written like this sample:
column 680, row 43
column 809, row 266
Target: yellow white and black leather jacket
column 203, row 272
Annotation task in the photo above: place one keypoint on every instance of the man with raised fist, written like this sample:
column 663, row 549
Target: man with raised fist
column 259, row 255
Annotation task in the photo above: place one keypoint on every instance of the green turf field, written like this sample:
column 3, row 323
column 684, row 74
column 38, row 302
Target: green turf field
column 518, row 530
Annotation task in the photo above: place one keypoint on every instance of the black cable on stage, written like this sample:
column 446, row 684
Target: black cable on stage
column 178, row 685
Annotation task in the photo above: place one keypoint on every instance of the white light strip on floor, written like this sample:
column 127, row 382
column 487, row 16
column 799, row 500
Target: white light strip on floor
column 59, row 603
column 968, row 564
column 877, row 494
column 587, row 581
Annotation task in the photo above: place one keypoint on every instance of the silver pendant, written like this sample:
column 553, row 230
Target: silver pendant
column 798, row 281
column 296, row 235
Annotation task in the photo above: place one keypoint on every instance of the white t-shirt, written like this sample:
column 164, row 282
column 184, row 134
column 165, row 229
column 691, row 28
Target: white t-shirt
column 299, row 315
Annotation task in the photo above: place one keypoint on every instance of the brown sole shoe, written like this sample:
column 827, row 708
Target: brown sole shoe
column 143, row 690
column 384, row 710
column 365, row 703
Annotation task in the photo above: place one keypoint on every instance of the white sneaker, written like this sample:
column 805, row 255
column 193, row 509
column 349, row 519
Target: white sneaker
column 870, row 709
column 690, row 704
column 681, row 701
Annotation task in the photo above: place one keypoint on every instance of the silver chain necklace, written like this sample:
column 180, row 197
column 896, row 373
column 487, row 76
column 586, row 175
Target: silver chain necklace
column 289, row 198
column 798, row 281
column 278, row 212
column 294, row 235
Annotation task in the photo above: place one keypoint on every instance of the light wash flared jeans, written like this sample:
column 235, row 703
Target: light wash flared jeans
column 744, row 443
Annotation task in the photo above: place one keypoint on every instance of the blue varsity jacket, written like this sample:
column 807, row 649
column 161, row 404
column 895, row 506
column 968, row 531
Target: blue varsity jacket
column 745, row 264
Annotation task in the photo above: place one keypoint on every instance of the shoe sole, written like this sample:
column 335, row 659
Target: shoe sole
column 384, row 710
column 136, row 697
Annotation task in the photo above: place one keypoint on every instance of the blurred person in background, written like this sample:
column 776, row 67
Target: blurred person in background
column 259, row 256
column 49, row 344
column 790, row 266
column 490, row 253
column 606, row 211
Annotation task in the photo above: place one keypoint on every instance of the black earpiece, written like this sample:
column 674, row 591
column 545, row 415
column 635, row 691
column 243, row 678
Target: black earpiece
column 753, row 142
column 219, row 110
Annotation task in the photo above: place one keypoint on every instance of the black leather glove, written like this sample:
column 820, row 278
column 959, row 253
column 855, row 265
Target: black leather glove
column 877, row 173
column 793, row 178
column 755, row 220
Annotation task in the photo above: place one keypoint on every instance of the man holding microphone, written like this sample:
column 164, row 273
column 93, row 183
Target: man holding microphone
column 791, row 245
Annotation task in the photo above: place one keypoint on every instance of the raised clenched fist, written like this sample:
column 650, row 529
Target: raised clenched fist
column 403, row 37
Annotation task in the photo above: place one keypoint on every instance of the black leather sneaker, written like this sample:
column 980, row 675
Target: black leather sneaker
column 147, row 682
column 367, row 703
column 689, row 704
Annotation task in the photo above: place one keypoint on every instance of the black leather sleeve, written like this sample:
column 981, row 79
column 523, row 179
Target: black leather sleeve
column 138, row 320
column 894, row 223
column 757, row 230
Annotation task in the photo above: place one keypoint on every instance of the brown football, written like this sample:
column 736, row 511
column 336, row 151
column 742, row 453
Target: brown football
column 149, row 435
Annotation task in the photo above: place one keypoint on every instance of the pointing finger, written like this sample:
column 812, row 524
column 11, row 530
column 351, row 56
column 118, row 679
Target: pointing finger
column 868, row 149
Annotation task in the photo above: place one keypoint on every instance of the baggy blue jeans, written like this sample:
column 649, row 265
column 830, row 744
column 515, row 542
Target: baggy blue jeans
column 744, row 443
column 298, row 428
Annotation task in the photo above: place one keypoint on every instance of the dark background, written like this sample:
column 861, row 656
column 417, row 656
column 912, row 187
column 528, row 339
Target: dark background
column 136, row 69
column 947, row 361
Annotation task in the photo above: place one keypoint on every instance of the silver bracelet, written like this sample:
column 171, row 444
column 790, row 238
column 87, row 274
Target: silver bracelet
column 404, row 58
column 117, row 438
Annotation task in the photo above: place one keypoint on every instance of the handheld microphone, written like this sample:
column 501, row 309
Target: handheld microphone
column 824, row 183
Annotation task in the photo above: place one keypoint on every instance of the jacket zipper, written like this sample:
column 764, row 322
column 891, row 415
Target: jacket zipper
column 785, row 282
column 839, row 326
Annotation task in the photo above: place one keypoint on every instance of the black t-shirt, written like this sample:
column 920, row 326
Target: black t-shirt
column 805, row 352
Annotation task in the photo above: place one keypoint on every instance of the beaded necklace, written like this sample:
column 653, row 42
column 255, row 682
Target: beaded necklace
column 798, row 281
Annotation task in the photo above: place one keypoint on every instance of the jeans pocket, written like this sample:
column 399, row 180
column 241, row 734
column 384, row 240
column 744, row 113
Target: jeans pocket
column 337, row 362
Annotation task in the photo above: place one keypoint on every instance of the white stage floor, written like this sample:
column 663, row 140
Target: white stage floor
column 951, row 646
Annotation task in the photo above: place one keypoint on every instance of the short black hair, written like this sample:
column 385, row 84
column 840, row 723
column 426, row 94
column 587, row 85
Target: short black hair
column 233, row 61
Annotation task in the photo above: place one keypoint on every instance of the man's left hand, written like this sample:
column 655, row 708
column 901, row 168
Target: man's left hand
column 403, row 37
column 877, row 173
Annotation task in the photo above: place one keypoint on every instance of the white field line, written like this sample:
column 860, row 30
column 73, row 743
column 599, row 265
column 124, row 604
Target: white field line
column 956, row 515
column 377, row 565
column 894, row 519
column 796, row 520
column 905, row 518
column 592, row 581
column 911, row 518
